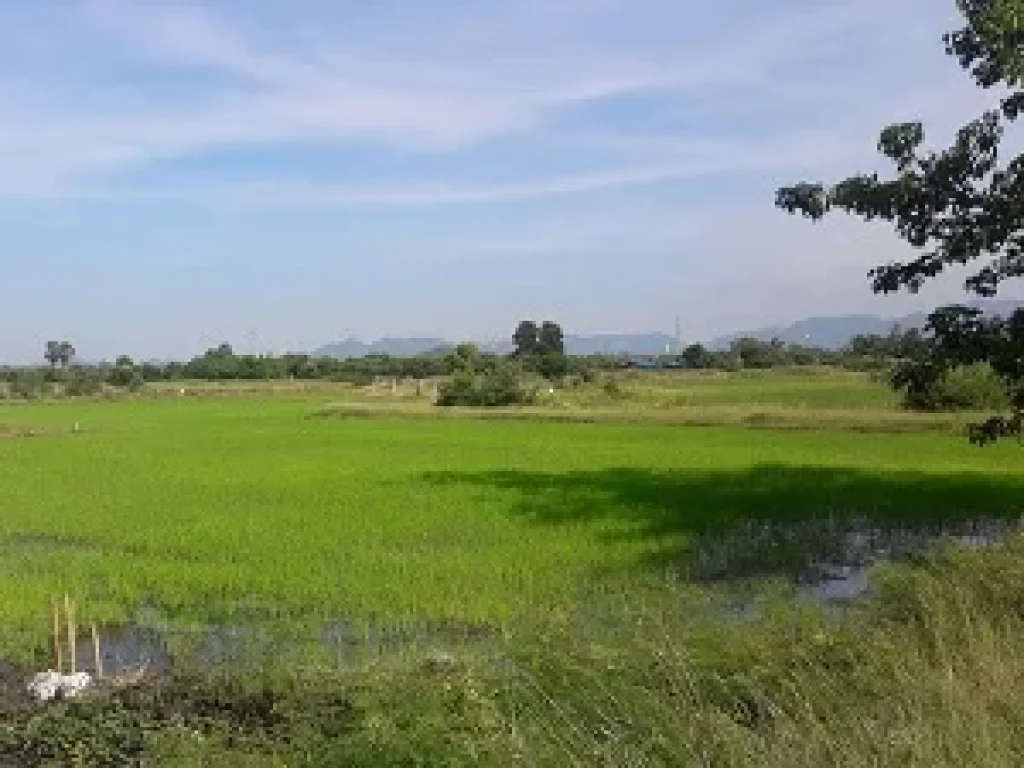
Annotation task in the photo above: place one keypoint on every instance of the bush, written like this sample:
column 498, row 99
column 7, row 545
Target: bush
column 965, row 388
column 83, row 382
column 552, row 365
column 973, row 387
column 505, row 385
column 126, row 377
column 26, row 385
column 613, row 389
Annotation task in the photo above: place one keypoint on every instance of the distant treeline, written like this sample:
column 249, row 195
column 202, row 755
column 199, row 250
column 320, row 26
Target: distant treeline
column 539, row 350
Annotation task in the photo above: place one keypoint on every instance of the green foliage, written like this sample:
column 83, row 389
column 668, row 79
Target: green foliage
column 991, row 46
column 87, row 733
column 973, row 198
column 697, row 357
column 59, row 352
column 503, row 386
column 551, row 365
column 550, row 339
column 26, row 384
column 956, row 207
column 222, row 364
column 527, row 339
column 757, row 354
column 212, row 717
column 548, row 360
column 465, row 357
column 899, row 344
column 969, row 361
column 81, row 381
column 753, row 354
column 973, row 387
column 541, row 349
column 125, row 375
column 613, row 389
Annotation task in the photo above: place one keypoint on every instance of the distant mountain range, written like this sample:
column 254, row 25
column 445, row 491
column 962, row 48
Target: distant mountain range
column 395, row 347
column 620, row 343
column 836, row 332
column 825, row 332
column 607, row 344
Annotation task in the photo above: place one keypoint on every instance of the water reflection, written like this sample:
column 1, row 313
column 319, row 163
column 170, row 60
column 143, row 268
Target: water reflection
column 830, row 559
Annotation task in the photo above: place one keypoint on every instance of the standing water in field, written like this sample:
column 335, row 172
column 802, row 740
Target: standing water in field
column 131, row 649
column 830, row 559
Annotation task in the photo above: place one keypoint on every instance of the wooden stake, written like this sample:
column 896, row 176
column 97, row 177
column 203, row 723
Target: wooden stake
column 96, row 652
column 69, row 609
column 58, row 656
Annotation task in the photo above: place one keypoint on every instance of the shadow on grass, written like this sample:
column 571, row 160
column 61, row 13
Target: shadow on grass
column 766, row 520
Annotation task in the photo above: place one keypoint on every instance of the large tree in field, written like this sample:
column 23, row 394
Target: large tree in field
column 551, row 339
column 527, row 339
column 52, row 353
column 963, row 205
column 67, row 353
column 59, row 352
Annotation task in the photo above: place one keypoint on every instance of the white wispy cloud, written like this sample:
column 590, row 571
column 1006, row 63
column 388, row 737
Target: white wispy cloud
column 675, row 161
column 310, row 81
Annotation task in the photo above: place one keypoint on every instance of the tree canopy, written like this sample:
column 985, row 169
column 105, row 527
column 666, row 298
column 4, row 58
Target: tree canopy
column 535, row 340
column 59, row 352
column 957, row 206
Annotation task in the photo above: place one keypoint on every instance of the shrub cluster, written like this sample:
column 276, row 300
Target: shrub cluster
column 500, row 385
column 974, row 387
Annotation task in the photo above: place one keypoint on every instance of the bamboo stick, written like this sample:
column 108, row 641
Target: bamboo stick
column 96, row 652
column 69, row 609
column 58, row 656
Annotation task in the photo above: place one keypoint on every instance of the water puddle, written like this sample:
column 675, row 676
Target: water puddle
column 830, row 560
column 125, row 651
column 350, row 640
column 130, row 649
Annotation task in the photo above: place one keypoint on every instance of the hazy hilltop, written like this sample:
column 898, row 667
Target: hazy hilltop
column 597, row 344
column 394, row 347
column 836, row 332
column 825, row 332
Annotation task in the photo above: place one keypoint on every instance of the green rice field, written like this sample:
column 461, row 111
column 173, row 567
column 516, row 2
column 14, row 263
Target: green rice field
column 311, row 575
column 207, row 509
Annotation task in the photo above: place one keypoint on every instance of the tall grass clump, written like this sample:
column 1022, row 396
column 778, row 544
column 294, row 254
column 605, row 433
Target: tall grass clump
column 927, row 673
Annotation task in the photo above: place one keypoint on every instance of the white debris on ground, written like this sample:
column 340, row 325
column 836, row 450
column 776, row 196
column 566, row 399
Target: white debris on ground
column 47, row 686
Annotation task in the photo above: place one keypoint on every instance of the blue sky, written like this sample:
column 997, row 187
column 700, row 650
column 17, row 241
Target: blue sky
column 174, row 174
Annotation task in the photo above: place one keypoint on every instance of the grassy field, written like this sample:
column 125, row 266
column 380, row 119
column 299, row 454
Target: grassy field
column 207, row 508
column 801, row 388
column 303, row 506
column 808, row 388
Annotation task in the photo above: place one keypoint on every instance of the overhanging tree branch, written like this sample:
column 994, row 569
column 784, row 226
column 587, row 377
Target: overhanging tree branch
column 959, row 206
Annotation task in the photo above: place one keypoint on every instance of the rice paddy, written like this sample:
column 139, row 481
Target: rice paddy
column 225, row 509
column 636, row 573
